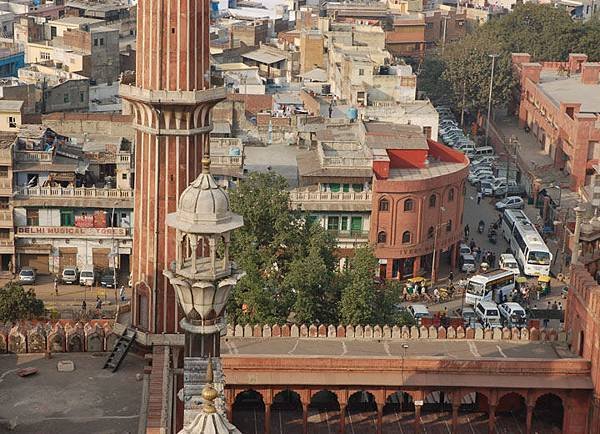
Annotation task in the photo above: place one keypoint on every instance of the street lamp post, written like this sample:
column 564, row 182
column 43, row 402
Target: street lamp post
column 445, row 18
column 489, row 111
column 435, row 237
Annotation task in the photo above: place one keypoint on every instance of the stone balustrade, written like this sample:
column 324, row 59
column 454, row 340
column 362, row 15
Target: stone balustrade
column 57, row 337
column 394, row 332
column 76, row 192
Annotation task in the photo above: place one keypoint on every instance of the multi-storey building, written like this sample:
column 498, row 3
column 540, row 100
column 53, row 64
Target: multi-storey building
column 386, row 184
column 560, row 106
column 72, row 202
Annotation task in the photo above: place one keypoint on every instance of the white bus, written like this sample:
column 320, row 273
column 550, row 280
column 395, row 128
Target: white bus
column 489, row 286
column 526, row 243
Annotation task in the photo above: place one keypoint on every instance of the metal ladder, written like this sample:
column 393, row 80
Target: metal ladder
column 120, row 350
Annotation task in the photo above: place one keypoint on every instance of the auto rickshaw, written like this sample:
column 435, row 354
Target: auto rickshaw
column 544, row 285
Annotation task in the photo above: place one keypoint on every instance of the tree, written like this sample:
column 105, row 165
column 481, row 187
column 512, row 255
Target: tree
column 17, row 303
column 358, row 297
column 289, row 264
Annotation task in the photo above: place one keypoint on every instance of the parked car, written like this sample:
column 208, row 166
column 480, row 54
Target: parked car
column 27, row 276
column 488, row 314
column 510, row 202
column 469, row 317
column 486, row 188
column 107, row 279
column 510, row 187
column 87, row 277
column 70, row 275
column 514, row 315
column 418, row 311
column 464, row 249
column 466, row 263
column 508, row 262
column 475, row 176
column 487, row 159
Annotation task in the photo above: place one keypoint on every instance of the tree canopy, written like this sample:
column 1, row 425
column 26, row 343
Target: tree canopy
column 547, row 33
column 17, row 303
column 292, row 272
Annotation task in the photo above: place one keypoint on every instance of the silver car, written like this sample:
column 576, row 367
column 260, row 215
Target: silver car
column 27, row 276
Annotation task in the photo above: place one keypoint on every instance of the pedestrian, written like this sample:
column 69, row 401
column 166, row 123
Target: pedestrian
column 479, row 197
column 549, row 306
column 493, row 259
column 122, row 293
column 546, row 321
column 467, row 229
column 83, row 306
column 554, row 305
column 98, row 302
column 559, row 305
column 56, row 286
column 436, row 295
column 450, row 277
column 472, row 244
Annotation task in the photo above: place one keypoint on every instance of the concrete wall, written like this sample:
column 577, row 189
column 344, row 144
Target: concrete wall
column 77, row 124
column 72, row 95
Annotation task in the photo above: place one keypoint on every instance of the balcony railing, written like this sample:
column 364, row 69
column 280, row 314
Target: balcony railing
column 6, row 215
column 27, row 156
column 349, row 235
column 300, row 195
column 227, row 160
column 109, row 193
column 6, row 242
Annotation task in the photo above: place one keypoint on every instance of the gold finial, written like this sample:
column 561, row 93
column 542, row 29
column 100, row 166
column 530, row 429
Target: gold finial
column 206, row 163
column 209, row 394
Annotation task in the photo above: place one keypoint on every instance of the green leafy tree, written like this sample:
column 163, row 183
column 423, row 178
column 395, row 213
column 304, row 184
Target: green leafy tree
column 358, row 296
column 289, row 265
column 17, row 303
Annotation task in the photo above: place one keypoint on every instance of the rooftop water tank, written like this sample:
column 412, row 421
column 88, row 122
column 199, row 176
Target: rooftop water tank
column 352, row 113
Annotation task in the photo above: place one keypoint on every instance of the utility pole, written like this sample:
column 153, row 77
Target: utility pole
column 462, row 110
column 445, row 18
column 489, row 111
column 435, row 237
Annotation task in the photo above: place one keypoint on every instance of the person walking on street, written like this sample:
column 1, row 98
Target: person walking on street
column 122, row 293
column 56, row 286
column 98, row 302
column 450, row 277
column 83, row 306
column 467, row 232
column 479, row 197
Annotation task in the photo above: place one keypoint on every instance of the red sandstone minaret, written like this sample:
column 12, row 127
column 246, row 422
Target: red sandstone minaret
column 171, row 103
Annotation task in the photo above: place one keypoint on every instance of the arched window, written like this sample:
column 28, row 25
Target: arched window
column 432, row 200
column 384, row 205
column 409, row 204
column 450, row 195
column 381, row 237
column 430, row 232
column 449, row 226
column 406, row 237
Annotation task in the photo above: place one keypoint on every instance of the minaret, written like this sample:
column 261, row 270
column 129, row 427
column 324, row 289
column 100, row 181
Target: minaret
column 171, row 103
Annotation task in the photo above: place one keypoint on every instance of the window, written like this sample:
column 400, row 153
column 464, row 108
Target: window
column 124, row 176
column 346, row 188
column 333, row 223
column 357, row 188
column 95, row 42
column 101, row 41
column 432, row 200
column 361, row 72
column 33, row 217
column 449, row 226
column 45, row 55
column 3, row 172
column 406, row 237
column 429, row 26
column 67, row 218
column 450, row 195
column 430, row 232
column 344, row 226
column 427, row 132
column 384, row 205
column 335, row 188
column 12, row 122
column 310, row 219
column 409, row 204
column 381, row 237
column 66, row 97
column 81, row 96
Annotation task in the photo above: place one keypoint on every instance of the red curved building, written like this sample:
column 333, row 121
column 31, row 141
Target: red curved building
column 418, row 201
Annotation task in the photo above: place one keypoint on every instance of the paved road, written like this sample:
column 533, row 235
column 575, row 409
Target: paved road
column 464, row 350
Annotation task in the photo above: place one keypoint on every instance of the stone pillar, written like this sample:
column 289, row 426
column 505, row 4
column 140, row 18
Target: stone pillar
column 379, row 418
column 388, row 268
column 305, row 418
column 529, row 419
column 455, row 408
column 267, row 418
column 578, row 217
column 342, row 418
column 202, row 345
column 492, row 420
column 416, row 266
column 418, row 425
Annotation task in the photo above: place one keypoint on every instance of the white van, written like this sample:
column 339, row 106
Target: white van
column 418, row 311
column 87, row 276
column 488, row 314
column 509, row 263
column 484, row 151
column 513, row 314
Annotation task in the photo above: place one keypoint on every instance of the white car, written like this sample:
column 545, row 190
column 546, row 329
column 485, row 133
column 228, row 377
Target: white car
column 466, row 263
column 478, row 174
column 486, row 159
column 464, row 249
column 418, row 311
column 510, row 202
